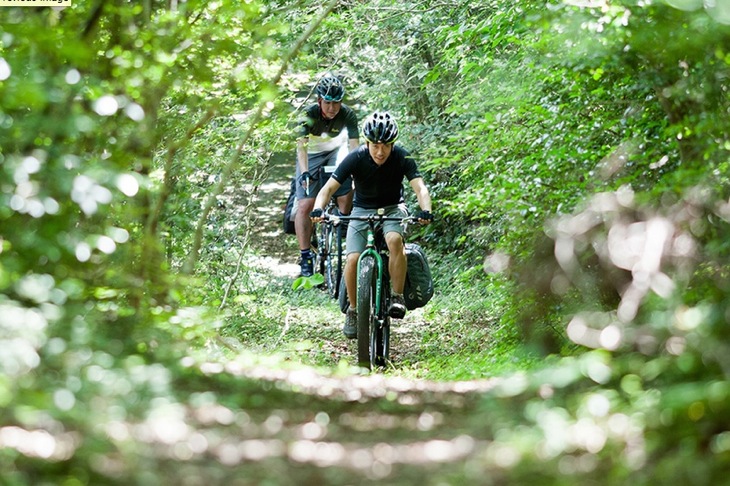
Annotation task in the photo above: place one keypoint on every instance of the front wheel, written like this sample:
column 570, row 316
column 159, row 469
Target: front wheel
column 366, row 310
column 333, row 262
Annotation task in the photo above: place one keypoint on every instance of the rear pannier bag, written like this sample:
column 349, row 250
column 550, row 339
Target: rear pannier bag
column 418, row 289
column 419, row 284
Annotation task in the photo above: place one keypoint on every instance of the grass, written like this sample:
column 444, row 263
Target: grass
column 459, row 335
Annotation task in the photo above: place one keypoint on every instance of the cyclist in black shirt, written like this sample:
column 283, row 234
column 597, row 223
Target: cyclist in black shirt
column 322, row 133
column 377, row 168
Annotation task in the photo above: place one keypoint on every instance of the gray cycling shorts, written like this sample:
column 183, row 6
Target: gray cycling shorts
column 357, row 231
column 317, row 161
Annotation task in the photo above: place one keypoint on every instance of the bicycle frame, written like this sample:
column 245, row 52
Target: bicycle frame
column 373, row 324
column 370, row 250
column 330, row 256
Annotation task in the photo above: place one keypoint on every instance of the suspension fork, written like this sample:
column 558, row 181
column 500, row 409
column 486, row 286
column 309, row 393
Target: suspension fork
column 370, row 250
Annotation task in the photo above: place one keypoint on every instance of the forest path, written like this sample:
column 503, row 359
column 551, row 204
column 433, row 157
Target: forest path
column 300, row 425
column 311, row 315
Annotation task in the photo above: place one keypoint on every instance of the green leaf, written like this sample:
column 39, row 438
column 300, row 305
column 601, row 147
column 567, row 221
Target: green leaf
column 307, row 283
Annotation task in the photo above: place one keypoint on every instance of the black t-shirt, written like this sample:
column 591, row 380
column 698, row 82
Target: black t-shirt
column 324, row 134
column 377, row 186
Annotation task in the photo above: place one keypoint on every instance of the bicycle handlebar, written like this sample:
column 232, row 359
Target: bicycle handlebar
column 370, row 218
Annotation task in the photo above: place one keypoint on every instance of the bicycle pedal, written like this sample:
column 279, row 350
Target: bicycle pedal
column 397, row 313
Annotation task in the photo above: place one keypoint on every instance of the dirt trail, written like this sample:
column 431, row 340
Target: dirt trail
column 306, row 426
column 279, row 251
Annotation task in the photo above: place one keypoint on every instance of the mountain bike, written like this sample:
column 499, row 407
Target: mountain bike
column 373, row 292
column 329, row 261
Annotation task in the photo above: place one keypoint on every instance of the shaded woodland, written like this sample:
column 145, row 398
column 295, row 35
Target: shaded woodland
column 578, row 157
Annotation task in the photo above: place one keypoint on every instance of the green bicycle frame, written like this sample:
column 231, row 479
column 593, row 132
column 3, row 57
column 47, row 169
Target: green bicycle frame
column 370, row 250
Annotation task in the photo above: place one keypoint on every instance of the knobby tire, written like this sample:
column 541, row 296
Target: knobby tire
column 333, row 263
column 366, row 318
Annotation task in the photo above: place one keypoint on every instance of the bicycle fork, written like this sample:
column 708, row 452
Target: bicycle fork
column 379, row 287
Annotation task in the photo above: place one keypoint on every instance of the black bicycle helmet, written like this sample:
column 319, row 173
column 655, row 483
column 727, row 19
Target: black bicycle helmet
column 330, row 88
column 380, row 128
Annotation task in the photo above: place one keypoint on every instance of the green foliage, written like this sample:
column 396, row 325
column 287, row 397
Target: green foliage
column 307, row 283
column 582, row 149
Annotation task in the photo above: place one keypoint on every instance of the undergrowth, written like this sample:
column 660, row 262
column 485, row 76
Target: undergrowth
column 459, row 335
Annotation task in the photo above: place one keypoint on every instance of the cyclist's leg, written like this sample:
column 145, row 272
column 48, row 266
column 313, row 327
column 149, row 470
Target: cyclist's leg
column 351, row 278
column 344, row 197
column 397, row 263
column 355, row 244
column 350, row 327
column 302, row 221
column 344, row 203
column 393, row 231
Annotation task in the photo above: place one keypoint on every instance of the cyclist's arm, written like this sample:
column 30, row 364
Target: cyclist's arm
column 302, row 156
column 353, row 144
column 422, row 194
column 324, row 195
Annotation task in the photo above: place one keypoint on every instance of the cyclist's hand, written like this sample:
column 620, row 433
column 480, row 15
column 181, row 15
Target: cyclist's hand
column 316, row 215
column 304, row 181
column 424, row 217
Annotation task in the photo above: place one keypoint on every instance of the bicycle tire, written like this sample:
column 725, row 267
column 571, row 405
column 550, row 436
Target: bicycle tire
column 333, row 262
column 321, row 239
column 366, row 316
column 380, row 332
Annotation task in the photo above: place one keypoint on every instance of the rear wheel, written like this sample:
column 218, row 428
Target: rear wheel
column 333, row 261
column 366, row 316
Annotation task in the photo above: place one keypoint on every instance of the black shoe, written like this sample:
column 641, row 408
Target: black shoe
column 397, row 309
column 307, row 264
column 350, row 327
